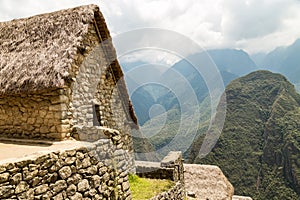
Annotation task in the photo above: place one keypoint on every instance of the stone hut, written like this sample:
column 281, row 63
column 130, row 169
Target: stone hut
column 60, row 78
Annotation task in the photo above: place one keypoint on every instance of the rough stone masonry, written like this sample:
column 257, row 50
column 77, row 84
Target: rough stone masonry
column 88, row 171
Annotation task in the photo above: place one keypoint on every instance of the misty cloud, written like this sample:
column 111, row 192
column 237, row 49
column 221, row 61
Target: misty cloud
column 251, row 18
column 254, row 25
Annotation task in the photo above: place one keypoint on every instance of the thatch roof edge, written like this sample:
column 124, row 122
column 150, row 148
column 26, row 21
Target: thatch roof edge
column 37, row 52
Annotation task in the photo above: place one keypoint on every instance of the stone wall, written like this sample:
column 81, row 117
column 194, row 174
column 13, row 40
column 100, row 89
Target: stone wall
column 39, row 116
column 88, row 170
column 88, row 67
column 95, row 98
column 171, row 167
column 175, row 193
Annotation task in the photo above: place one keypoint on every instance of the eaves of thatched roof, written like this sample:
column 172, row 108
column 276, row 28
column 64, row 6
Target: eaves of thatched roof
column 36, row 53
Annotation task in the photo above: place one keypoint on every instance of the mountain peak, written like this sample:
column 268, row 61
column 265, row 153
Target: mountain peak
column 259, row 147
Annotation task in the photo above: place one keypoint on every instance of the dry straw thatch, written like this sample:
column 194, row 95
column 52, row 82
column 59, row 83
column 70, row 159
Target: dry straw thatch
column 36, row 53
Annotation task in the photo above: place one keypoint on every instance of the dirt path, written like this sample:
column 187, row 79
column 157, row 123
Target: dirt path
column 13, row 150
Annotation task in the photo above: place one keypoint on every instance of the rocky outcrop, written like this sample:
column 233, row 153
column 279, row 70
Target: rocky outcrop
column 207, row 182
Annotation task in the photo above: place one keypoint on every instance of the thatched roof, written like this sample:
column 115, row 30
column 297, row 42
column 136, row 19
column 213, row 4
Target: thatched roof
column 36, row 52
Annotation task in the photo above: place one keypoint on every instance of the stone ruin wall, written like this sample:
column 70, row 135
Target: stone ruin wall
column 95, row 90
column 89, row 171
column 86, row 70
column 171, row 167
column 38, row 116
column 95, row 94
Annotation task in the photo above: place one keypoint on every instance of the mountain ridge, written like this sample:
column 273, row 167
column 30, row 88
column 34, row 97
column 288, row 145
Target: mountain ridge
column 284, row 60
column 259, row 145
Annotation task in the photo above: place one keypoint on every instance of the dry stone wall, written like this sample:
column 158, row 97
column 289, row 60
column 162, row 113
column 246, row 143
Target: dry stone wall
column 95, row 97
column 88, row 67
column 171, row 167
column 175, row 193
column 38, row 116
column 90, row 171
column 95, row 101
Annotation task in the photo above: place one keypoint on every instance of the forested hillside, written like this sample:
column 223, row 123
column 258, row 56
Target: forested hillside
column 259, row 148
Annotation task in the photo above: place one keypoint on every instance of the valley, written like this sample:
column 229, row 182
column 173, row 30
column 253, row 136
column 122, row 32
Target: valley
column 259, row 146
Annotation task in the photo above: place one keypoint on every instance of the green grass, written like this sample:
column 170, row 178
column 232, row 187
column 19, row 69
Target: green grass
column 145, row 188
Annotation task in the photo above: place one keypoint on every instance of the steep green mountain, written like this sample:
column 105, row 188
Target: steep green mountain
column 164, row 128
column 259, row 147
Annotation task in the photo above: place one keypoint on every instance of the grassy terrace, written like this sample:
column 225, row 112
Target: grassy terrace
column 145, row 188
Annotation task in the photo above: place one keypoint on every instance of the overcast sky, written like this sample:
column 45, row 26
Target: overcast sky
column 252, row 25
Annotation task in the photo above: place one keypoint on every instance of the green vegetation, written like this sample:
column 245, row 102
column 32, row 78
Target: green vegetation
column 144, row 188
column 259, row 148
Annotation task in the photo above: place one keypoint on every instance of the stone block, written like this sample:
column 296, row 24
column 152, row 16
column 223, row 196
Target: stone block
column 83, row 185
column 71, row 190
column 44, row 129
column 36, row 181
column 42, row 113
column 15, row 179
column 74, row 179
column 21, row 187
column 27, row 195
column 6, row 191
column 57, row 107
column 77, row 196
column 41, row 189
column 63, row 128
column 4, row 177
column 31, row 121
column 58, row 186
column 65, row 172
